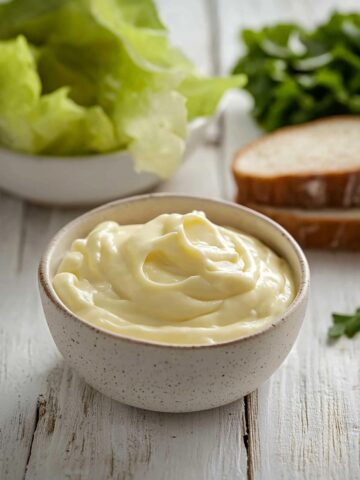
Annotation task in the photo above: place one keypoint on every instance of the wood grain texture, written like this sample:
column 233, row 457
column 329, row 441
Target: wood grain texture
column 309, row 411
column 25, row 344
column 304, row 422
column 81, row 434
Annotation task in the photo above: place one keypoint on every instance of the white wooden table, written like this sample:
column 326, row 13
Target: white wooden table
column 302, row 424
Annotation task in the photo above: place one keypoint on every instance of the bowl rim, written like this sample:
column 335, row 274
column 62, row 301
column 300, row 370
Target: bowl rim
column 301, row 295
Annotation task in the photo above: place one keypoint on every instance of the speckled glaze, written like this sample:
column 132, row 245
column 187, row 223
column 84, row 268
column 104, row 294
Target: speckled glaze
column 171, row 378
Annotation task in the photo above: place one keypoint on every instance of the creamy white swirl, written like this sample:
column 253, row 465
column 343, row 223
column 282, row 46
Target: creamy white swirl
column 178, row 279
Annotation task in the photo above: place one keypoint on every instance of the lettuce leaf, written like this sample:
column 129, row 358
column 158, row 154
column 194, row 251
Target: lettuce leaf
column 98, row 76
column 20, row 90
column 157, row 128
column 204, row 94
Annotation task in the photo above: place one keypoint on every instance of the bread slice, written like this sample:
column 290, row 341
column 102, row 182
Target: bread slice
column 314, row 165
column 325, row 228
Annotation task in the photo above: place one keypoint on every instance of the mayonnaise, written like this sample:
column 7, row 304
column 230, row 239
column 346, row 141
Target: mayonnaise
column 178, row 279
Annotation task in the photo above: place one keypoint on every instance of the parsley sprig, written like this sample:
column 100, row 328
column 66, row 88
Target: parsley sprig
column 348, row 325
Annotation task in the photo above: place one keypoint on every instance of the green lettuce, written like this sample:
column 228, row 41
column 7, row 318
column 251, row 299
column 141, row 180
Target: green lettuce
column 98, row 76
column 204, row 94
column 20, row 89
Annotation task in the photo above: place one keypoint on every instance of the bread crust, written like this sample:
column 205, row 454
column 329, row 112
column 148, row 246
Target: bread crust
column 316, row 190
column 317, row 231
column 336, row 190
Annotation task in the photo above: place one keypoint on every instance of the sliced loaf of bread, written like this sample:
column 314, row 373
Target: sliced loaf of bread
column 323, row 228
column 314, row 165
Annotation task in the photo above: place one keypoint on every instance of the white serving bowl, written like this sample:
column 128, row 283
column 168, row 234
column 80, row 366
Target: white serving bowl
column 82, row 180
column 173, row 378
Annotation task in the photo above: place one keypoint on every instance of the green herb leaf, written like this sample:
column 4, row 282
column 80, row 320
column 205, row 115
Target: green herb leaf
column 296, row 75
column 337, row 330
column 353, row 326
column 339, row 318
column 348, row 325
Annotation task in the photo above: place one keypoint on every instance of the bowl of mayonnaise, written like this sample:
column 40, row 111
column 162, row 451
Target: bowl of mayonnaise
column 174, row 303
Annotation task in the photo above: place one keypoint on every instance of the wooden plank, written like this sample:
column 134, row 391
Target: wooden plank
column 26, row 348
column 303, row 423
column 309, row 412
column 84, row 435
column 11, row 213
column 16, row 413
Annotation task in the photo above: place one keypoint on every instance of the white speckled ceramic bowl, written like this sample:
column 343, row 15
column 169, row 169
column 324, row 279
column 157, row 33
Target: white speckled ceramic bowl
column 172, row 378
